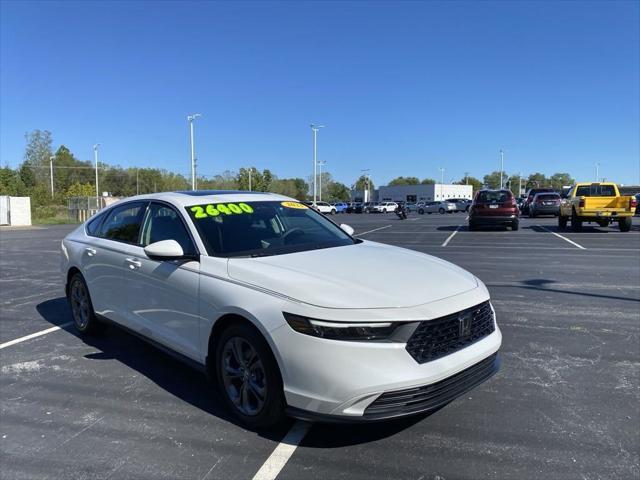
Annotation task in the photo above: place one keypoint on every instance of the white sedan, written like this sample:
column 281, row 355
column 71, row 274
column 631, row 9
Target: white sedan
column 282, row 306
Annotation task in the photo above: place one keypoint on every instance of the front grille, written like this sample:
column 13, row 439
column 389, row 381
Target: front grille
column 442, row 336
column 431, row 397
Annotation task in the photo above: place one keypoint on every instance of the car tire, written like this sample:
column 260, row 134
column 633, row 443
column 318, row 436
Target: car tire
column 441, row 210
column 421, row 211
column 562, row 221
column 625, row 224
column 515, row 225
column 252, row 376
column 333, row 211
column 84, row 317
column 576, row 222
column 473, row 227
column 531, row 214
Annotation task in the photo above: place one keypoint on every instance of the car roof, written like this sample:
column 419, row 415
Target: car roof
column 199, row 197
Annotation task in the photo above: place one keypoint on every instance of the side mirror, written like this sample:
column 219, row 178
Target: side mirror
column 164, row 250
column 348, row 230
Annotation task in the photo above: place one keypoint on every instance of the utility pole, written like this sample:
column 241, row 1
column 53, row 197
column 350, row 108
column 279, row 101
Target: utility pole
column 501, row 166
column 191, row 118
column 51, row 173
column 597, row 171
column 441, row 182
column 315, row 129
column 137, row 182
column 320, row 164
column 95, row 156
column 250, row 168
column 466, row 178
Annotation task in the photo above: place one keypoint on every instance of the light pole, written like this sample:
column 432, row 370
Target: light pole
column 191, row 118
column 95, row 156
column 250, row 168
column 320, row 164
column 441, row 182
column 597, row 171
column 466, row 178
column 501, row 166
column 315, row 129
column 51, row 173
column 519, row 184
column 365, row 173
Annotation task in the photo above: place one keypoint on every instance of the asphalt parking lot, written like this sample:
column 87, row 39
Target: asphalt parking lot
column 566, row 403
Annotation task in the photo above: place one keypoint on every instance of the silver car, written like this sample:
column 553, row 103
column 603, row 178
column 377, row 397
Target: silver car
column 437, row 207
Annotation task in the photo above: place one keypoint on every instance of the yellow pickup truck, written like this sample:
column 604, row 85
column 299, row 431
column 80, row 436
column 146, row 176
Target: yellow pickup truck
column 596, row 202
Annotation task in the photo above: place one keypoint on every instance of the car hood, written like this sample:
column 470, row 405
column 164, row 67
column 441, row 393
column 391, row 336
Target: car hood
column 361, row 276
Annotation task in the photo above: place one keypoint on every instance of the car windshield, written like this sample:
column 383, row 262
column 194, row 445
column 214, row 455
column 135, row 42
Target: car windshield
column 264, row 228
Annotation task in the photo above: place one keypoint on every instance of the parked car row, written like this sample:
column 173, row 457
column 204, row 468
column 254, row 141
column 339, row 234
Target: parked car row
column 599, row 203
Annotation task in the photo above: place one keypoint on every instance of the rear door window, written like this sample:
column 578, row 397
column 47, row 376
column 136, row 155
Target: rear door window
column 123, row 223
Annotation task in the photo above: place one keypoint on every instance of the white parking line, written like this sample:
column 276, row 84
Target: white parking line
column 560, row 236
column 374, row 230
column 281, row 455
column 33, row 335
column 451, row 236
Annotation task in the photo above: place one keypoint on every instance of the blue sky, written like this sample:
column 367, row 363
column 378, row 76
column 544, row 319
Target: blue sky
column 403, row 88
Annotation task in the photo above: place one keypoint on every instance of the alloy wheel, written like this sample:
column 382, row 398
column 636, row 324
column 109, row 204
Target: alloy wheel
column 243, row 376
column 80, row 304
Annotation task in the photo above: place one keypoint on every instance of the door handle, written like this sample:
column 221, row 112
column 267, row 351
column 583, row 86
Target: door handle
column 134, row 263
column 90, row 251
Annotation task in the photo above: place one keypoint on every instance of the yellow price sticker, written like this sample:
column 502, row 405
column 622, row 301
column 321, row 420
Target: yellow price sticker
column 294, row 205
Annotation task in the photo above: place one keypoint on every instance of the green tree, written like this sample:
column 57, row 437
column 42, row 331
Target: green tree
column 428, row 181
column 37, row 153
column 559, row 180
column 404, row 181
column 80, row 190
column 473, row 181
column 361, row 183
column 11, row 183
column 260, row 181
column 338, row 191
column 27, row 175
column 537, row 180
column 492, row 180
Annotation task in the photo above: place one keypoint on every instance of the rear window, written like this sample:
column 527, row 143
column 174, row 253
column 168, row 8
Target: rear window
column 548, row 196
column 493, row 196
column 596, row 191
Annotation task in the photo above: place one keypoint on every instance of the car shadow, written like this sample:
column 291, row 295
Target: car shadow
column 190, row 385
column 171, row 375
column 542, row 285
column 586, row 228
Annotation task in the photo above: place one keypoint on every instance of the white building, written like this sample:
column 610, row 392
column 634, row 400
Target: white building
column 424, row 193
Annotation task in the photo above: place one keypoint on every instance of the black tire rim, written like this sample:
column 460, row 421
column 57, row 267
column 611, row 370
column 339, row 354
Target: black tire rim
column 243, row 376
column 80, row 304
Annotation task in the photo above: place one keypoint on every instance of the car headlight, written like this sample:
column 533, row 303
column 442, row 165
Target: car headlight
column 350, row 331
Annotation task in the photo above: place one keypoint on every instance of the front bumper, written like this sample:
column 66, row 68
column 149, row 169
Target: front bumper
column 413, row 401
column 342, row 379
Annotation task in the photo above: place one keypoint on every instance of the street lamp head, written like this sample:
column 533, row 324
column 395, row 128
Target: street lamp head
column 52, row 158
column 316, row 127
column 95, row 147
column 193, row 116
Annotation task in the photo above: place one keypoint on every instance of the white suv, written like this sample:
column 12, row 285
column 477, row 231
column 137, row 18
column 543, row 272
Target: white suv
column 384, row 207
